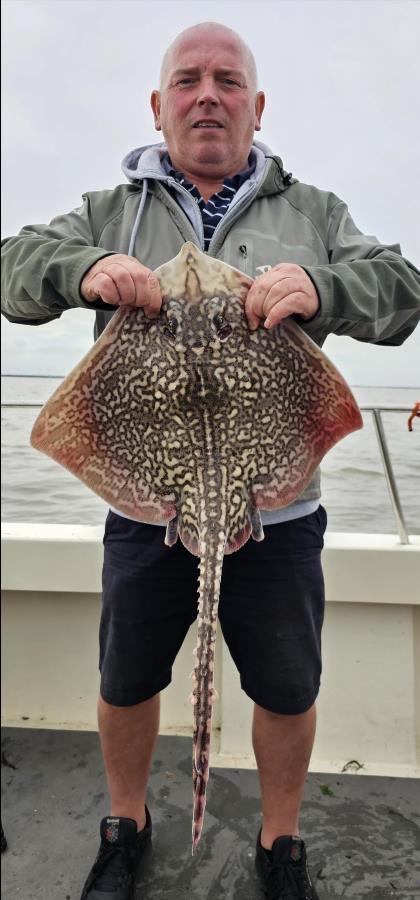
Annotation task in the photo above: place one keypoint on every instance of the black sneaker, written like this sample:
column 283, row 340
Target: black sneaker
column 284, row 870
column 113, row 873
column 3, row 840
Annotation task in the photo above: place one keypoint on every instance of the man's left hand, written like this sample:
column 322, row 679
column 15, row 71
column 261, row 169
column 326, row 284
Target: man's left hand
column 284, row 290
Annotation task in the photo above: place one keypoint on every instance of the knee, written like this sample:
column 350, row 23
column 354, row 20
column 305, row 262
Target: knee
column 271, row 716
column 111, row 710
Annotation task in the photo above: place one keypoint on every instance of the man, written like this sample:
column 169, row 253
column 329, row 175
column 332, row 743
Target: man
column 211, row 184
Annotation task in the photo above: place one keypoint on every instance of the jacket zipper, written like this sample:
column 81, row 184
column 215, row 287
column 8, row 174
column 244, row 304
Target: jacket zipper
column 231, row 216
column 243, row 250
column 228, row 219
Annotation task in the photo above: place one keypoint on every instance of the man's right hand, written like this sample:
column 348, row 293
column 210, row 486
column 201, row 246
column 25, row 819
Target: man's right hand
column 121, row 280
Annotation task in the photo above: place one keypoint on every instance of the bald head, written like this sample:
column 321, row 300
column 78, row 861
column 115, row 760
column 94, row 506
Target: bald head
column 208, row 106
column 207, row 32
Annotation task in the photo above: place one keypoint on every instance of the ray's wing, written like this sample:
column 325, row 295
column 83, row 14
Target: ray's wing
column 101, row 420
column 294, row 407
column 310, row 408
column 115, row 423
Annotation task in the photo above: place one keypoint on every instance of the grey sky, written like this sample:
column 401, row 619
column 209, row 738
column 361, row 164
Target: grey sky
column 341, row 79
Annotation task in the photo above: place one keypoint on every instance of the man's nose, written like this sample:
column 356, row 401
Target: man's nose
column 208, row 93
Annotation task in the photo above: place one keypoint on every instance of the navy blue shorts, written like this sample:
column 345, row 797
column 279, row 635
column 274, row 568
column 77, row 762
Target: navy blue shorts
column 271, row 611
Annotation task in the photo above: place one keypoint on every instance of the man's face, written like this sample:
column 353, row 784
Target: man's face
column 207, row 109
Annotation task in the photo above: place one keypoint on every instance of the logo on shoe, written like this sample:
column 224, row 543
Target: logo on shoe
column 296, row 851
column 112, row 830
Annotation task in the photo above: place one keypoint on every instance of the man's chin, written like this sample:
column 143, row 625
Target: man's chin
column 207, row 156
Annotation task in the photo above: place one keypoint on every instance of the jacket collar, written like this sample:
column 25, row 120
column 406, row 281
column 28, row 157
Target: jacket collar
column 149, row 162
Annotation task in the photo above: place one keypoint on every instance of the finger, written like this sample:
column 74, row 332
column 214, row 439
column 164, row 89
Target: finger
column 138, row 275
column 280, row 291
column 154, row 297
column 147, row 289
column 254, row 304
column 124, row 283
column 286, row 307
column 275, row 275
column 252, row 318
column 268, row 289
column 104, row 288
column 285, row 269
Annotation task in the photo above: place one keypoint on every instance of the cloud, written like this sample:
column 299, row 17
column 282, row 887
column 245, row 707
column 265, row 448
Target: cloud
column 367, row 364
column 76, row 85
column 51, row 349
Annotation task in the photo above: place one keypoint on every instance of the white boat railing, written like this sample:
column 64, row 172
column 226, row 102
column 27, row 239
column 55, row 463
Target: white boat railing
column 382, row 444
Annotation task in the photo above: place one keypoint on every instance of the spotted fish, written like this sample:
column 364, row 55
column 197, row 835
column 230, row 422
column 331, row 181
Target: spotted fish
column 195, row 421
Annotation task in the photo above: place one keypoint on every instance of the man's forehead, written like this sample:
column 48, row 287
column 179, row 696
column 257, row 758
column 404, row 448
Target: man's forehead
column 220, row 50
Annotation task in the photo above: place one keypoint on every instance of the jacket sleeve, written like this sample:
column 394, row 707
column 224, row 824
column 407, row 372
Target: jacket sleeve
column 368, row 290
column 43, row 266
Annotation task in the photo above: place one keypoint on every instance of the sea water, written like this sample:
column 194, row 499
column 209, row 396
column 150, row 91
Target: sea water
column 354, row 489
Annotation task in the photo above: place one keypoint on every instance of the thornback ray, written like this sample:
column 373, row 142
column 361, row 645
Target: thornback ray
column 193, row 420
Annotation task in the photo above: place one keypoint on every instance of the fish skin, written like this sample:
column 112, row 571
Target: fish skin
column 193, row 420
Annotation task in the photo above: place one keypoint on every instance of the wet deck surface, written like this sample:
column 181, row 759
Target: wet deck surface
column 362, row 832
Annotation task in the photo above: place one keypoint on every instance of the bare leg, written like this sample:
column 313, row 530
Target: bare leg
column 282, row 747
column 128, row 736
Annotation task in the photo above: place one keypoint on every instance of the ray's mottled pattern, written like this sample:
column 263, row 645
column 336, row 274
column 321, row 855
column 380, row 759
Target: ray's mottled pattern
column 195, row 421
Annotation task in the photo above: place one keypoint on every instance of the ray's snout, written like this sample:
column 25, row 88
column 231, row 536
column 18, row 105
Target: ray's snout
column 195, row 327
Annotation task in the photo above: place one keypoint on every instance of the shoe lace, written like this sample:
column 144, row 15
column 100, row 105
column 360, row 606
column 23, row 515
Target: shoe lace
column 288, row 881
column 112, row 868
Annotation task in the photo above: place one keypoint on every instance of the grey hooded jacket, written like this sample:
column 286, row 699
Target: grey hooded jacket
column 366, row 289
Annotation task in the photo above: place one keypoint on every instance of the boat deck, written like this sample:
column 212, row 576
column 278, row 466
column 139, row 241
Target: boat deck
column 362, row 832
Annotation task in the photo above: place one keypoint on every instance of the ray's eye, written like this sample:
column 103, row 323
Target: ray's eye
column 171, row 328
column 223, row 329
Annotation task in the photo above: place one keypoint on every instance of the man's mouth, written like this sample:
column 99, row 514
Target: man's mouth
column 207, row 123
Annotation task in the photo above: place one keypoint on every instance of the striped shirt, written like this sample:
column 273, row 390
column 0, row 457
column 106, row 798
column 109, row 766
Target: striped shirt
column 212, row 211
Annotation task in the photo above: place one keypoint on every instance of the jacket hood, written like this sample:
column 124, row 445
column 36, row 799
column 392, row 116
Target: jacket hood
column 147, row 162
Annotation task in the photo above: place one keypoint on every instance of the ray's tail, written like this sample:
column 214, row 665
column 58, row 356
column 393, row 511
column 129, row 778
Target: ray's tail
column 212, row 546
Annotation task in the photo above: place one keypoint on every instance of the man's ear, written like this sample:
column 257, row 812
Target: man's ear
column 259, row 109
column 155, row 104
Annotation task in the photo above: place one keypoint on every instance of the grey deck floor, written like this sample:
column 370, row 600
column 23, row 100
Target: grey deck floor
column 362, row 832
